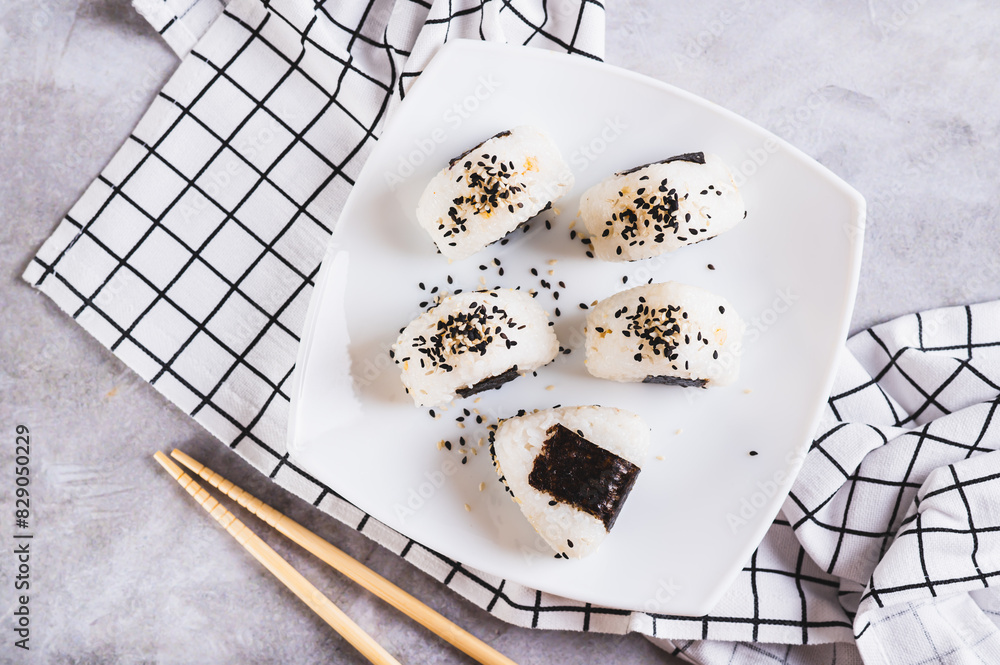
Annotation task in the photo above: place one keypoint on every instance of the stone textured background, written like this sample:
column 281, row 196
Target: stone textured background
column 897, row 97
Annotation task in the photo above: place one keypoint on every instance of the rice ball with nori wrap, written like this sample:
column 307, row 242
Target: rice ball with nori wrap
column 660, row 207
column 570, row 470
column 492, row 189
column 472, row 342
column 668, row 333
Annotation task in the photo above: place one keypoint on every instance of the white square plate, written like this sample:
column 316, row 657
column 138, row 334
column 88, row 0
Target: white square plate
column 695, row 515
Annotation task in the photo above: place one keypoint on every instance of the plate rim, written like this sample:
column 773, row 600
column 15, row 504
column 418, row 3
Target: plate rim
column 857, row 218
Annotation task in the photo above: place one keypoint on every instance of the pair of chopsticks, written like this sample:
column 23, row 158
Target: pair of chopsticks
column 329, row 554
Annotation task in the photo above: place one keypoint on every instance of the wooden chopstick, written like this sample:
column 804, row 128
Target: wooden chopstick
column 281, row 569
column 337, row 559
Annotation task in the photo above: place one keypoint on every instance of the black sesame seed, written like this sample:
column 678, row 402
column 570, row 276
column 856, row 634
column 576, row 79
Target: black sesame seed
column 753, row 453
column 711, row 267
column 722, row 310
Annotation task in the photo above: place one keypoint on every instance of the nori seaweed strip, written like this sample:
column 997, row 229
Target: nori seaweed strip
column 489, row 383
column 468, row 152
column 693, row 157
column 676, row 381
column 581, row 473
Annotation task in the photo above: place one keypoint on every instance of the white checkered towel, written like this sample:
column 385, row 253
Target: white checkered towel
column 891, row 534
column 192, row 258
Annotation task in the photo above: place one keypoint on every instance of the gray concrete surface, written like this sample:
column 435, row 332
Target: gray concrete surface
column 898, row 97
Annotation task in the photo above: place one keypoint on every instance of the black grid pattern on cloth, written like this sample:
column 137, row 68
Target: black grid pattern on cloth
column 192, row 257
column 897, row 497
column 573, row 26
column 890, row 529
column 928, row 399
column 741, row 653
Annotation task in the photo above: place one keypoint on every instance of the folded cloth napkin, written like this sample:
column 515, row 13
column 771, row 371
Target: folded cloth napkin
column 192, row 257
column 891, row 533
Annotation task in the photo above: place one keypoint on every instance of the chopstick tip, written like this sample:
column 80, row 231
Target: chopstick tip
column 168, row 464
column 186, row 460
